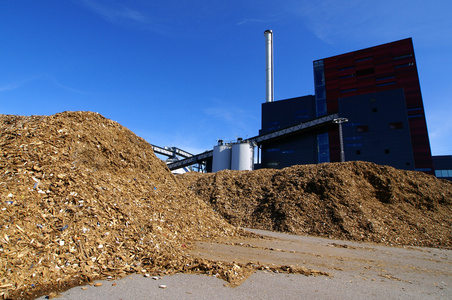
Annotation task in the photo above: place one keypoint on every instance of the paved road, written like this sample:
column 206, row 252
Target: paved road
column 358, row 271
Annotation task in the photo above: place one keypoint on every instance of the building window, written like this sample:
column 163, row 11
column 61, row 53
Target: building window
column 273, row 164
column 365, row 72
column 386, row 151
column 353, row 138
column 347, row 76
column 403, row 56
column 443, row 173
column 386, row 83
column 358, row 152
column 273, row 150
column 374, row 109
column 323, row 148
column 415, row 116
column 320, row 91
column 349, row 90
column 288, row 152
column 353, row 145
column 362, row 128
column 346, row 68
column 363, row 59
column 396, row 125
column 385, row 78
column 403, row 65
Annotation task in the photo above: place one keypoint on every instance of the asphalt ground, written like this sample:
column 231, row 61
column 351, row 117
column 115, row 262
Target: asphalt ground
column 357, row 271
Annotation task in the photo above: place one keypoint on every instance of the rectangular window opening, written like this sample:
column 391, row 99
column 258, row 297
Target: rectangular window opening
column 396, row 125
column 404, row 65
column 386, row 83
column 363, row 59
column 385, row 78
column 349, row 90
column 365, row 72
column 362, row 128
column 403, row 56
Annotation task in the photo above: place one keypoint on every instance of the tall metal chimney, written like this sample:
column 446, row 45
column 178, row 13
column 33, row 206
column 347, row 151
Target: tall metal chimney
column 269, row 68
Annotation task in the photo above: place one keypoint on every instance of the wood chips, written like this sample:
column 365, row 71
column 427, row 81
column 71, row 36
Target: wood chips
column 83, row 198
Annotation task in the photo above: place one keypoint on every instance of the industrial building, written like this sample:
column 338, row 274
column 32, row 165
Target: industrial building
column 376, row 90
column 367, row 106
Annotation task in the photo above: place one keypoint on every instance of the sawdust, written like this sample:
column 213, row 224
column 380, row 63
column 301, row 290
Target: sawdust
column 357, row 201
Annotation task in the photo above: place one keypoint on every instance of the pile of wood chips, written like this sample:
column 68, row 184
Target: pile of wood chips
column 83, row 198
column 357, row 201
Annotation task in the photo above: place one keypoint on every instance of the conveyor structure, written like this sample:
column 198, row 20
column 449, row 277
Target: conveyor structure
column 171, row 151
column 257, row 140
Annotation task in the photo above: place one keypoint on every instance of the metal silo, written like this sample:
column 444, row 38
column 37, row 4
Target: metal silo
column 221, row 157
column 242, row 156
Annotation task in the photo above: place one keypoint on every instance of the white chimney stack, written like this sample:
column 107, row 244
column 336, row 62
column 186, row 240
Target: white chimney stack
column 269, row 69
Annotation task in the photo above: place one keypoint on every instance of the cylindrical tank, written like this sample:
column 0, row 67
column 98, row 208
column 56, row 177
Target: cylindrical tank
column 242, row 156
column 221, row 157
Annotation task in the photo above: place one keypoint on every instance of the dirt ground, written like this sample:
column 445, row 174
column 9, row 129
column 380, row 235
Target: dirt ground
column 85, row 199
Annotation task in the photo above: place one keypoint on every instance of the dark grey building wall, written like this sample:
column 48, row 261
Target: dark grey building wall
column 297, row 148
column 284, row 113
column 443, row 166
column 378, row 129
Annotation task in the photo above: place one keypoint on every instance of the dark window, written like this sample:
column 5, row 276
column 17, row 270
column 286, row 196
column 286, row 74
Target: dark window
column 349, row 90
column 288, row 152
column 403, row 56
column 347, row 76
column 404, row 65
column 365, row 72
column 386, row 83
column 362, row 128
column 346, row 68
column 352, row 138
column 387, row 151
column 358, row 152
column 386, row 77
column 354, row 145
column 374, row 109
column 363, row 59
column 396, row 125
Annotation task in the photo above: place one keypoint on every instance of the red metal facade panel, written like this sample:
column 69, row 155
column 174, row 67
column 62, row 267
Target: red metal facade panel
column 374, row 69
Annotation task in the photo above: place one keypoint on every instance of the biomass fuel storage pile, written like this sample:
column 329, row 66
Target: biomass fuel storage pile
column 357, row 201
column 83, row 198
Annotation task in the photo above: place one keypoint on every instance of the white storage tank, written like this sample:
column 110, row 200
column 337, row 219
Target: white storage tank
column 242, row 156
column 221, row 157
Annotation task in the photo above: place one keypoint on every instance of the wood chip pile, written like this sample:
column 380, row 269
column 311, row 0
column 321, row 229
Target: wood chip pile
column 356, row 201
column 84, row 198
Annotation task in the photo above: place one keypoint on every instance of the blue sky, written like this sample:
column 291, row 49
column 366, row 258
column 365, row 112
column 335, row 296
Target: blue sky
column 187, row 73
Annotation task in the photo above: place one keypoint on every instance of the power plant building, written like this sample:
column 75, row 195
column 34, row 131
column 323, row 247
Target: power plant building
column 367, row 106
column 377, row 90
